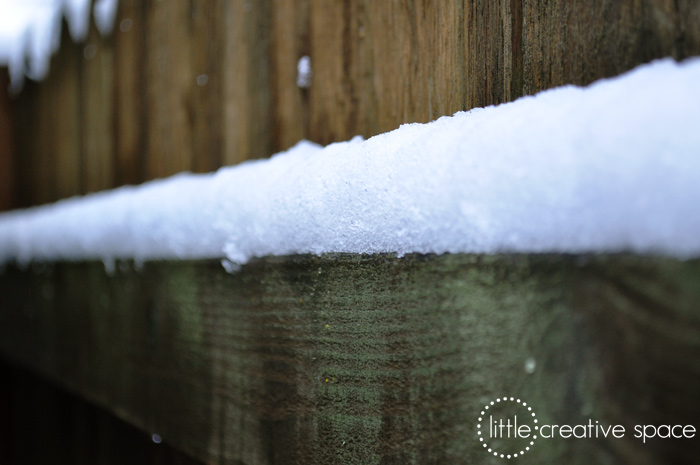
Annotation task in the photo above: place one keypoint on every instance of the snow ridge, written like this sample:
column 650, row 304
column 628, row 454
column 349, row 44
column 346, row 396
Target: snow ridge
column 611, row 167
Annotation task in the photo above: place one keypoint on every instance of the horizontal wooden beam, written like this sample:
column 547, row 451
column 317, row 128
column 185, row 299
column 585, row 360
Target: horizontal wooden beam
column 370, row 359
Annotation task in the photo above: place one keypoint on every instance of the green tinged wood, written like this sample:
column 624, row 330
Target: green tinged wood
column 369, row 359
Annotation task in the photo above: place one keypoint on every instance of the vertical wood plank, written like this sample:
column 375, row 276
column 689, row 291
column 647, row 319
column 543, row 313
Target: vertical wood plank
column 7, row 146
column 130, row 105
column 97, row 112
column 207, row 112
column 25, row 146
column 59, row 165
column 290, row 40
column 169, row 85
column 246, row 81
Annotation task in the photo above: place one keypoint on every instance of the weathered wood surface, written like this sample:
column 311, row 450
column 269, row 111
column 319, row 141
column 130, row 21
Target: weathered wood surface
column 196, row 85
column 370, row 359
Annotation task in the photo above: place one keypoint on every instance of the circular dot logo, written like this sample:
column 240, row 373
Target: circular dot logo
column 507, row 427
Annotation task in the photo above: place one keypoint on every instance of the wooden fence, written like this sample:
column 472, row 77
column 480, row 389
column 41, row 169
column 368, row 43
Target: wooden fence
column 197, row 85
column 369, row 359
column 7, row 171
column 343, row 358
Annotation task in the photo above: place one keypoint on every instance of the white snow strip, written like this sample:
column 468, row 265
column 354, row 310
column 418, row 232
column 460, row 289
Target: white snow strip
column 608, row 168
column 30, row 32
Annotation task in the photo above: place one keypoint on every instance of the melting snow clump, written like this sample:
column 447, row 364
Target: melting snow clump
column 304, row 72
column 611, row 167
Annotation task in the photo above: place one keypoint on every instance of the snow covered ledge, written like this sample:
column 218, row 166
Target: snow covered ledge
column 611, row 167
column 353, row 358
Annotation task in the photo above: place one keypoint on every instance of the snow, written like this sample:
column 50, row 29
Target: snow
column 304, row 72
column 608, row 168
column 77, row 13
column 105, row 11
column 32, row 29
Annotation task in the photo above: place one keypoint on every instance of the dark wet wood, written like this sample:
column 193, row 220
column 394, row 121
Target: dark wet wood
column 196, row 85
column 7, row 147
column 356, row 359
column 42, row 424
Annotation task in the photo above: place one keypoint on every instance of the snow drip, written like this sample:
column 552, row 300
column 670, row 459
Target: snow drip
column 30, row 32
column 607, row 168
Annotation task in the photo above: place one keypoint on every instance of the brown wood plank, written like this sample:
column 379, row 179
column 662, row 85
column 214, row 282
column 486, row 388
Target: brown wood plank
column 7, row 146
column 48, row 132
column 245, row 78
column 369, row 359
column 169, row 82
column 289, row 41
column 131, row 106
column 58, row 160
column 208, row 58
column 97, row 112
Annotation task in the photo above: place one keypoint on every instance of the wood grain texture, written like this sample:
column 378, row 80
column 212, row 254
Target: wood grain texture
column 143, row 113
column 369, row 359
